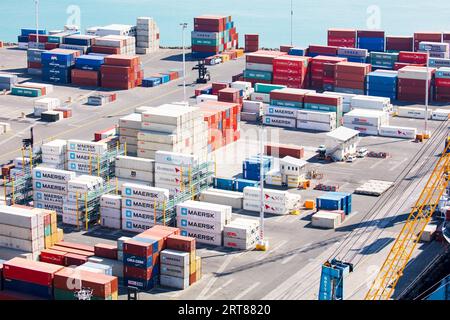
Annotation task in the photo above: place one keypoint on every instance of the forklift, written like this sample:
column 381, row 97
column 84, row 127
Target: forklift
column 203, row 74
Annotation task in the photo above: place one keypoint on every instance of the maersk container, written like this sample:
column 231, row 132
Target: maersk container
column 202, row 211
column 214, row 239
column 279, row 121
column 49, row 174
column 280, row 111
column 200, row 226
column 439, row 62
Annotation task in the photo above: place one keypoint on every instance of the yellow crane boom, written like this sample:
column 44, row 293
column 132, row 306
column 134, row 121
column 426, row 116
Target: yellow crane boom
column 384, row 284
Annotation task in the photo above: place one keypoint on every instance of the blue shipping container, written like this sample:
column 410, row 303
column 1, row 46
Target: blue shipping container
column 137, row 262
column 151, row 82
column 224, row 183
column 243, row 183
column 149, row 240
column 29, row 288
column 144, row 285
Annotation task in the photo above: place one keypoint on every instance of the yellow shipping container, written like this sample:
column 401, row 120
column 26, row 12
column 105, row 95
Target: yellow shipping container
column 192, row 268
column 240, row 52
column 54, row 227
column 115, row 295
column 198, row 263
column 48, row 242
column 192, row 257
column 225, row 57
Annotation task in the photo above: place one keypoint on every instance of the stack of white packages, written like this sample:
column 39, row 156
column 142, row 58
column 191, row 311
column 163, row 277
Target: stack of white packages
column 174, row 269
column 50, row 188
column 111, row 211
column 366, row 121
column 126, row 44
column 115, row 30
column 138, row 206
column 275, row 201
column 135, row 170
column 241, row 234
column 172, row 170
column 78, row 190
column 45, row 104
column 54, row 154
column 147, row 35
column 173, row 128
column 203, row 221
column 129, row 127
column 22, row 229
column 83, row 156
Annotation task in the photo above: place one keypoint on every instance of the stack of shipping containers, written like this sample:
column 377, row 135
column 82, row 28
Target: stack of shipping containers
column 121, row 72
column 350, row 77
column 412, row 83
column 442, row 83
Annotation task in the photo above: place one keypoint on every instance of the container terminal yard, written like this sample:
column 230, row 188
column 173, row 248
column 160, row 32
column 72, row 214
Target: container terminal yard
column 124, row 171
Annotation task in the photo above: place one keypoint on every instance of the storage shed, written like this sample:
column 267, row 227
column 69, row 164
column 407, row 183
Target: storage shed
column 341, row 143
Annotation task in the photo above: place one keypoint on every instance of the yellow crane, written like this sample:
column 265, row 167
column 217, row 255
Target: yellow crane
column 392, row 270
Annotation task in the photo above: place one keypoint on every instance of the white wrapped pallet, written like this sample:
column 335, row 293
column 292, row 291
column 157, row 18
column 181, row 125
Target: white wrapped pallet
column 280, row 122
column 413, row 112
column 326, row 220
column 440, row 114
column 398, row 132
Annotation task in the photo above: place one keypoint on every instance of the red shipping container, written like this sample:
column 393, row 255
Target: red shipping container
column 106, row 251
column 370, row 34
column 353, row 67
column 137, row 248
column 323, row 99
column 350, row 76
column 51, row 46
column 105, row 50
column 102, row 286
column 349, row 84
column 331, row 50
column 39, row 273
column 395, row 43
column 263, row 56
column 399, row 65
column 77, row 246
column 412, row 57
column 342, row 33
column 342, row 42
column 34, row 65
column 42, row 38
column 138, row 273
column 442, row 82
column 53, row 257
column 443, row 90
column 122, row 60
column 284, row 150
column 74, row 251
column 426, row 36
column 288, row 95
column 72, row 259
column 174, row 230
column 155, row 235
column 412, row 83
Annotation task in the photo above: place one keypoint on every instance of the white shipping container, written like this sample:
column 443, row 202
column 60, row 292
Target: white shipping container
column 316, row 116
column 370, row 102
column 223, row 198
column 139, row 204
column 175, row 258
column 259, row 66
column 279, row 122
column 252, row 106
column 261, row 97
column 111, row 201
column 326, row 220
column 203, row 211
column 241, row 244
column 412, row 112
column 53, row 159
column 20, row 233
column 201, row 226
column 367, row 130
column 175, row 159
column 255, row 206
column 175, row 271
column 139, row 191
column 417, row 73
column 136, row 226
column 134, row 174
column 271, row 196
column 87, row 147
column 315, row 126
column 49, row 174
column 19, row 244
column 79, row 167
column 50, row 187
column 111, row 213
column 138, row 215
column 440, row 114
column 364, row 117
column 214, row 239
column 49, row 197
column 241, row 229
column 111, row 223
column 206, row 97
column 280, row 111
column 398, row 132
column 49, row 206
column 174, row 282
column 159, row 137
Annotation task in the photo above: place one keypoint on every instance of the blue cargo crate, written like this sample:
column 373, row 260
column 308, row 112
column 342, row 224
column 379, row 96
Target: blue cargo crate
column 33, row 289
column 137, row 262
column 22, row 39
column 224, row 183
column 141, row 284
column 346, row 200
column 89, row 62
column 297, row 52
column 243, row 183
column 330, row 202
column 206, row 91
column 164, row 78
column 66, row 59
column 151, row 82
column 28, row 31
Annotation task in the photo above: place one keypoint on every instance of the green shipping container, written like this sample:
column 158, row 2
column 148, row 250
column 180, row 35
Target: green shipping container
column 54, row 39
column 70, row 295
column 256, row 74
column 48, row 230
column 267, row 88
column 384, row 56
column 26, row 92
column 205, row 42
column 288, row 104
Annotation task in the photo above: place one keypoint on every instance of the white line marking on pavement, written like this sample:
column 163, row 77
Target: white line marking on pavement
column 214, row 279
column 278, row 246
column 288, row 259
column 219, row 289
column 398, row 164
column 376, row 164
column 246, row 291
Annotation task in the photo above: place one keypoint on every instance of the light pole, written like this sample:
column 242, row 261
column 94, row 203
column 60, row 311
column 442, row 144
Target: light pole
column 263, row 244
column 36, row 3
column 292, row 22
column 183, row 28
column 426, row 134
